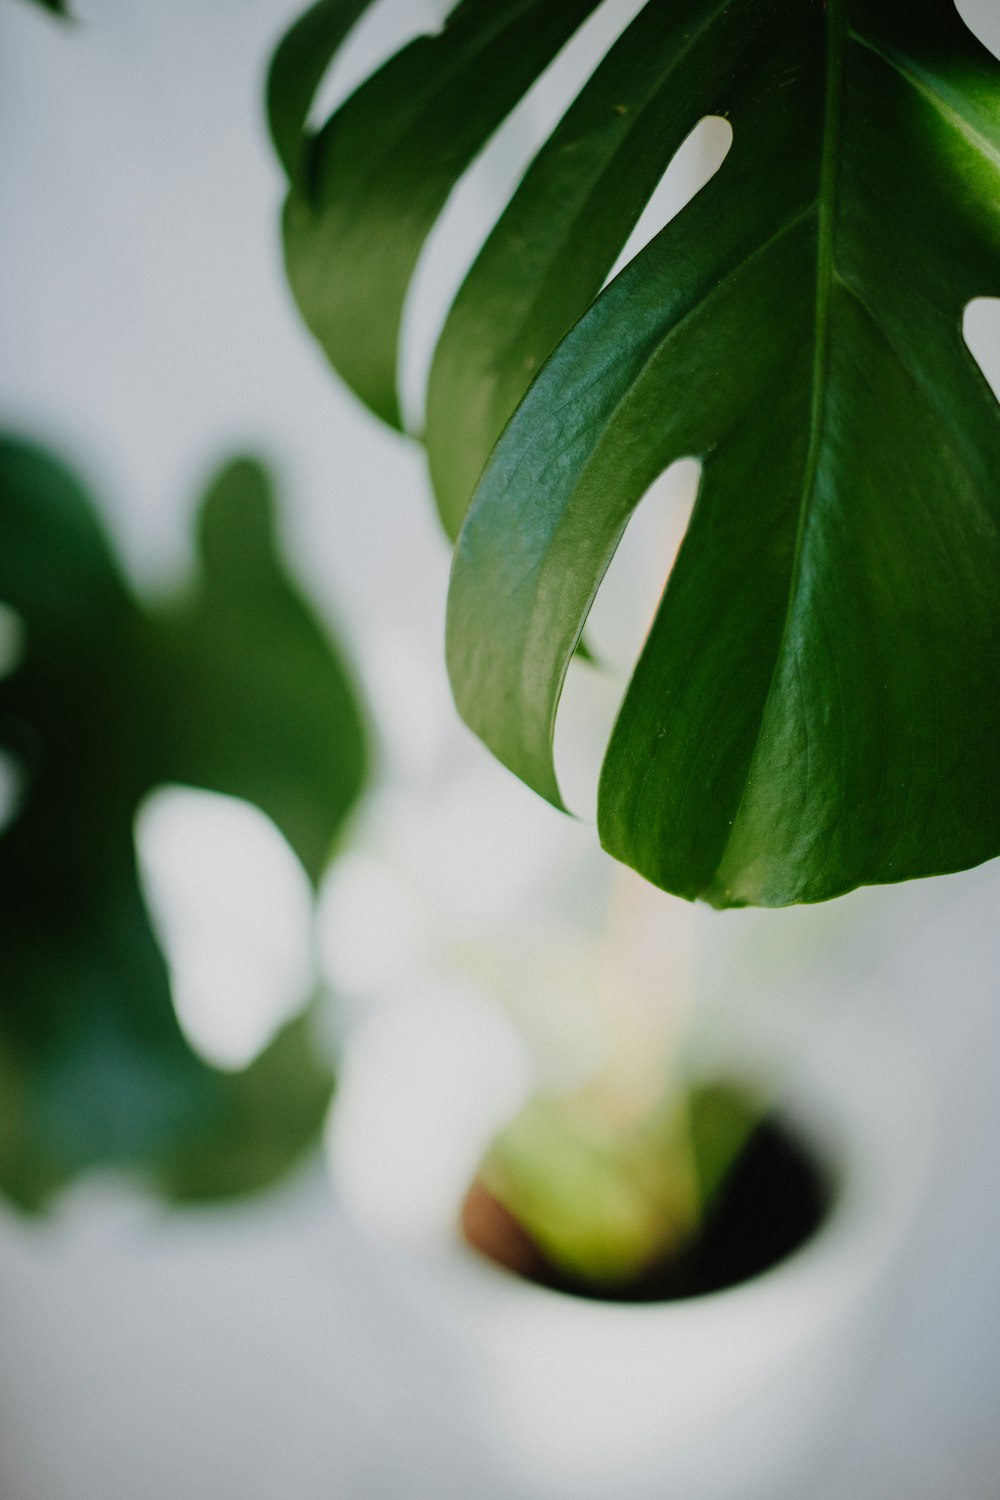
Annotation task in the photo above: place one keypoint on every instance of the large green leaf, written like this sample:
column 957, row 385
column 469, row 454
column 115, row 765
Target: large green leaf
column 815, row 706
column 233, row 687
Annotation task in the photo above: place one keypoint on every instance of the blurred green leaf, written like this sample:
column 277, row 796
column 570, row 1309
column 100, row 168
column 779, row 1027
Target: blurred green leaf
column 295, row 74
column 721, row 1118
column 599, row 1206
column 606, row 1194
column 260, row 708
column 254, row 1125
column 233, row 687
column 56, row 6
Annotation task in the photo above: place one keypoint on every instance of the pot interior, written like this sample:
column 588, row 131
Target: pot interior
column 775, row 1198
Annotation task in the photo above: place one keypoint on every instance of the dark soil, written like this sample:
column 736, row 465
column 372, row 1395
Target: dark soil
column 775, row 1199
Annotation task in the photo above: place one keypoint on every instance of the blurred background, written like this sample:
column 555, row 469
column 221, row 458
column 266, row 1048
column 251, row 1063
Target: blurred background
column 260, row 1347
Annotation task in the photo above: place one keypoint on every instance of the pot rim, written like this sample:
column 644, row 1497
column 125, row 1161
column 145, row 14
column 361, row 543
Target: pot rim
column 874, row 1166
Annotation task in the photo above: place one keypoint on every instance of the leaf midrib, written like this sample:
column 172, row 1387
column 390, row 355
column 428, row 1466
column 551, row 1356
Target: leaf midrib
column 611, row 420
column 826, row 204
column 922, row 86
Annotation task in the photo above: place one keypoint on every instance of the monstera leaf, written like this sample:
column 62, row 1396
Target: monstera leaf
column 816, row 704
column 232, row 687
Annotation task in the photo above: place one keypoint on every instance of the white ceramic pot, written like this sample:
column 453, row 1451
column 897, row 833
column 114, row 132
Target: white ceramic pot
column 729, row 1396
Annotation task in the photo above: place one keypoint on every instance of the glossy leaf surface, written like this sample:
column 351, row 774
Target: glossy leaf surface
column 815, row 706
column 233, row 687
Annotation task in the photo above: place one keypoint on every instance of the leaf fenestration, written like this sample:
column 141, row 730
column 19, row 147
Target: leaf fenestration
column 815, row 706
column 381, row 170
column 295, row 74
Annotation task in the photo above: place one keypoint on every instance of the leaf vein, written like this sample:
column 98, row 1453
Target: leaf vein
column 925, row 89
